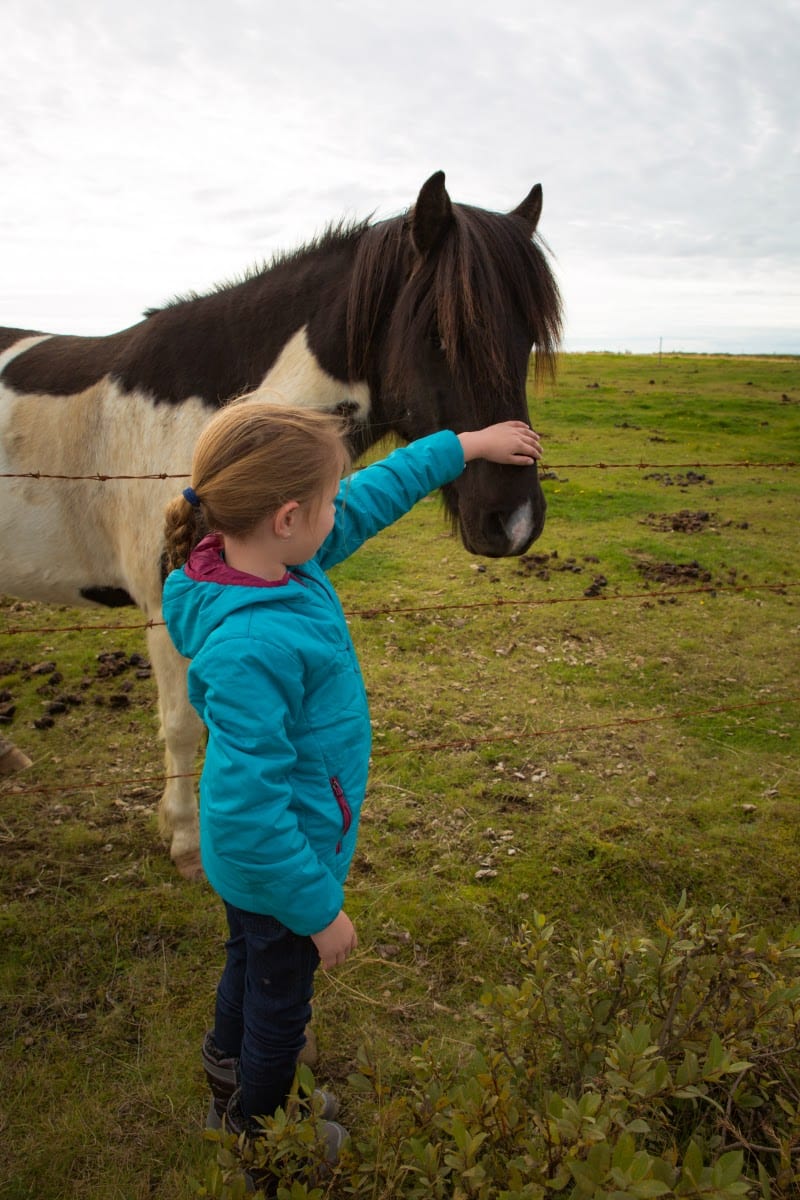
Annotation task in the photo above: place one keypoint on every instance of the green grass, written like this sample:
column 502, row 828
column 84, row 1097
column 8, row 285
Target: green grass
column 534, row 748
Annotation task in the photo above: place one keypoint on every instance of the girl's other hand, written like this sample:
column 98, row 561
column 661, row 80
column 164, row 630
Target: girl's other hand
column 511, row 442
column 336, row 942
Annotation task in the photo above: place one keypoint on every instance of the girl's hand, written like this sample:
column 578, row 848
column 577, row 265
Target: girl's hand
column 336, row 942
column 511, row 442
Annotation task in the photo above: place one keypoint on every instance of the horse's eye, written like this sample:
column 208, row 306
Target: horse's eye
column 437, row 342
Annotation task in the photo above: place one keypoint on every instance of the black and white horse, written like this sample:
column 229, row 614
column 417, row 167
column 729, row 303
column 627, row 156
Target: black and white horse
column 421, row 322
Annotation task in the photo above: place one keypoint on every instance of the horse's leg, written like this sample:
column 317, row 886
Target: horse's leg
column 181, row 730
column 11, row 758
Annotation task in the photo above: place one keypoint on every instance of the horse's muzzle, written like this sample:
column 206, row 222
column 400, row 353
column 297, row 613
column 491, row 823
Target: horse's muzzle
column 503, row 534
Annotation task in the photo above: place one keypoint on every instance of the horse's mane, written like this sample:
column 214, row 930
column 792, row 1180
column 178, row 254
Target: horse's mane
column 459, row 294
column 337, row 235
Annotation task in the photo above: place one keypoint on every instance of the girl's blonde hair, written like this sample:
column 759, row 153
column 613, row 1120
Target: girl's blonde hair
column 251, row 458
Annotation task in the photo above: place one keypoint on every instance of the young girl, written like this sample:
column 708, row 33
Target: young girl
column 275, row 679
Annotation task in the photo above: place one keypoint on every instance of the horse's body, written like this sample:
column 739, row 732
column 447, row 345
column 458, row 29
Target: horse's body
column 410, row 325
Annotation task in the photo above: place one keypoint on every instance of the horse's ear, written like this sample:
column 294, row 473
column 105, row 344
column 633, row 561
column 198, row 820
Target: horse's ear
column 531, row 209
column 433, row 213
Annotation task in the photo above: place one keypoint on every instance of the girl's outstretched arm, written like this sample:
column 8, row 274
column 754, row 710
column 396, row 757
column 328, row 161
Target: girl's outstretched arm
column 381, row 493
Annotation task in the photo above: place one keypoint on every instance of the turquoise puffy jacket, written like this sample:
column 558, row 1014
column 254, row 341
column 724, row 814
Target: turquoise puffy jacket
column 275, row 679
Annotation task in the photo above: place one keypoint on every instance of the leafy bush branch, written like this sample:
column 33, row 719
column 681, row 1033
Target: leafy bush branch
column 631, row 1068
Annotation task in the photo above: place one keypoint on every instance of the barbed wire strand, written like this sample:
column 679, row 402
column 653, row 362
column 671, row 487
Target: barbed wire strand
column 98, row 477
column 458, row 744
column 645, row 466
column 679, row 714
column 498, row 602
column 747, row 464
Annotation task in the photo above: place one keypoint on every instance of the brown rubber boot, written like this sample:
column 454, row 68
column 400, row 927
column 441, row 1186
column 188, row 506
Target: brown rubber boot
column 222, row 1073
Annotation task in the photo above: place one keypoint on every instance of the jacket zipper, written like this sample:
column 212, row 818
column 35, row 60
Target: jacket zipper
column 344, row 809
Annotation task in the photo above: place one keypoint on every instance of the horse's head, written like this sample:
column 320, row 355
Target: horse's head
column 465, row 296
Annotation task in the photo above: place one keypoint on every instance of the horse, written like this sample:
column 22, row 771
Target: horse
column 405, row 326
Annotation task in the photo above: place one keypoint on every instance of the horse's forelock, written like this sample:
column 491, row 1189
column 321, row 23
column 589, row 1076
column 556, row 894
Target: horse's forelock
column 487, row 263
column 461, row 293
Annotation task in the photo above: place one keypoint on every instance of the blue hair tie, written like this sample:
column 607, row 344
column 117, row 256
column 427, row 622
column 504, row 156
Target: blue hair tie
column 191, row 495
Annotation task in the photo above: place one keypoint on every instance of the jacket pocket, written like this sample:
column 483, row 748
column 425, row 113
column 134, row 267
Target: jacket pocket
column 344, row 809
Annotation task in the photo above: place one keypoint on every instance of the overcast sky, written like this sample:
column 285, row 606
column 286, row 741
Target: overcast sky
column 155, row 146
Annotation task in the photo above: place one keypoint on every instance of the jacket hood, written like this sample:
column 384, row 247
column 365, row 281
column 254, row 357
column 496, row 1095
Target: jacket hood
column 200, row 595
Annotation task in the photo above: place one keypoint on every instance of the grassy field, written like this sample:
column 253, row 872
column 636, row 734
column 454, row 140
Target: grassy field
column 587, row 731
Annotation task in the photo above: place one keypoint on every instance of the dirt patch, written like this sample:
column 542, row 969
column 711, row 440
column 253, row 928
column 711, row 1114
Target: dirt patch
column 683, row 521
column 689, row 479
column 543, row 565
column 668, row 572
column 56, row 701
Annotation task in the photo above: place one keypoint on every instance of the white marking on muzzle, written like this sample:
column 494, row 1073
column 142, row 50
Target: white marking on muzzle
column 518, row 527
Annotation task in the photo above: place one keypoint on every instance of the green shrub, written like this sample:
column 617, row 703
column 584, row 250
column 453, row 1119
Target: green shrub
column 663, row 1066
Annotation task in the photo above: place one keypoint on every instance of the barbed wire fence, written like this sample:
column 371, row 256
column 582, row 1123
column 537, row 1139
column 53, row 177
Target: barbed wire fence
column 641, row 465
column 463, row 743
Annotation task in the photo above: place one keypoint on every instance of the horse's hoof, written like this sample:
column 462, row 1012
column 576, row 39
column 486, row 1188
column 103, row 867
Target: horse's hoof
column 12, row 760
column 189, row 866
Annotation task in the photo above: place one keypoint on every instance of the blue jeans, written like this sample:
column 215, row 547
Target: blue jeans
column 263, row 1006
